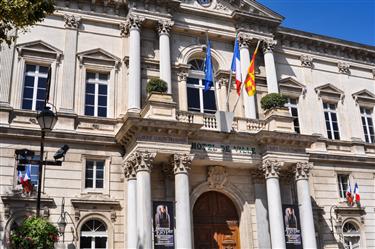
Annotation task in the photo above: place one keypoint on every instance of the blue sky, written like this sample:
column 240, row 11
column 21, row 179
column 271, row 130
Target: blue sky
column 352, row 20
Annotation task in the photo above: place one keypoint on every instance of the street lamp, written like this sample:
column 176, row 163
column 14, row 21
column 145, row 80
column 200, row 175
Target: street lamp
column 61, row 223
column 46, row 120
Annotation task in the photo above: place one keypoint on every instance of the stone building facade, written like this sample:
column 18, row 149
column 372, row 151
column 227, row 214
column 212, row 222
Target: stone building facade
column 130, row 150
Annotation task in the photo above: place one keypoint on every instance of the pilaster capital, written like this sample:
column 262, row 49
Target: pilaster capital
column 165, row 26
column 244, row 40
column 143, row 160
column 269, row 45
column 303, row 170
column 271, row 168
column 181, row 163
column 72, row 21
column 343, row 67
column 306, row 61
column 129, row 168
column 182, row 75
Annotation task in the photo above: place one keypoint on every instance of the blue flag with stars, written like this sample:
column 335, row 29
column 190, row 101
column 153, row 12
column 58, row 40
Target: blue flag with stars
column 209, row 78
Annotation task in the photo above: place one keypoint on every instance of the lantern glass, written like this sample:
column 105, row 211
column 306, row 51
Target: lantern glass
column 61, row 225
column 46, row 119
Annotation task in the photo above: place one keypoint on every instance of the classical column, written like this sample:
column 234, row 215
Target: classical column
column 134, row 85
column 67, row 85
column 248, row 101
column 304, row 203
column 181, row 166
column 164, row 28
column 269, row 62
column 131, row 215
column 143, row 167
column 275, row 215
column 182, row 90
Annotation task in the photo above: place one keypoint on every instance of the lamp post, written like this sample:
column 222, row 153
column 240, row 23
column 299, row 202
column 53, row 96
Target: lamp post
column 61, row 224
column 46, row 120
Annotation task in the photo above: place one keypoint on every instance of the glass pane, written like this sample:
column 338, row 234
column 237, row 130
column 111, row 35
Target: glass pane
column 99, row 174
column 41, row 94
column 28, row 92
column 209, row 102
column 333, row 117
column 294, row 112
column 29, row 81
column 103, row 89
column 337, row 135
column 192, row 81
column 90, row 76
column 193, row 99
column 90, row 88
column 326, row 116
column 102, row 112
column 88, row 183
column 30, row 68
column 89, row 173
column 325, row 105
column 89, row 100
column 85, row 242
column 27, row 104
column 99, row 183
column 102, row 101
column 42, row 82
column 40, row 105
column 99, row 164
column 100, row 242
column 43, row 69
column 369, row 121
column 335, row 126
column 89, row 110
column 332, row 106
column 103, row 76
column 293, row 101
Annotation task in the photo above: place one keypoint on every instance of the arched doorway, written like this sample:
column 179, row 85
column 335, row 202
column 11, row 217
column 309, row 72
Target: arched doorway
column 215, row 222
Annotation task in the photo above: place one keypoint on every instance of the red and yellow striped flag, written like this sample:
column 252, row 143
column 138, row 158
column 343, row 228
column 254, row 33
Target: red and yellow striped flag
column 250, row 78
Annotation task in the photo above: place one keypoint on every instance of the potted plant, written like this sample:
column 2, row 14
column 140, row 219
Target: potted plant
column 34, row 233
column 156, row 85
column 273, row 100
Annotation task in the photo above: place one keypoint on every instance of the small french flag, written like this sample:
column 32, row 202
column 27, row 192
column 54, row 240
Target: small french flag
column 348, row 194
column 357, row 197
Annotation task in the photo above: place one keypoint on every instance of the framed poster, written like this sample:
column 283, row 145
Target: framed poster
column 163, row 215
column 292, row 227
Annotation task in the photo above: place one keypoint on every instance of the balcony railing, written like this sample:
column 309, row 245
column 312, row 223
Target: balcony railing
column 209, row 122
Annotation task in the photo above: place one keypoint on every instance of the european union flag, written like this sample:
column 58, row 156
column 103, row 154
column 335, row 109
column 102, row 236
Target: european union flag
column 209, row 78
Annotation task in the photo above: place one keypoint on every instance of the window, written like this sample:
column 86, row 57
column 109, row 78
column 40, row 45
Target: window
column 33, row 164
column 367, row 124
column 94, row 176
column 198, row 99
column 96, row 94
column 343, row 180
column 94, row 235
column 292, row 107
column 352, row 235
column 332, row 124
column 35, row 84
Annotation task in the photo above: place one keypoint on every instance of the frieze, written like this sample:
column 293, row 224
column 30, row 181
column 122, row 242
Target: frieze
column 223, row 148
column 162, row 139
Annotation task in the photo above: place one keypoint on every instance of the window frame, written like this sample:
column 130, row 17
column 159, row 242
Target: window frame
column 366, row 116
column 329, row 112
column 342, row 192
column 97, row 82
column 106, row 174
column 289, row 105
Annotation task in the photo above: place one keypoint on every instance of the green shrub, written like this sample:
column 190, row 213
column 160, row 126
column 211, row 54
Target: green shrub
column 273, row 100
column 34, row 233
column 156, row 85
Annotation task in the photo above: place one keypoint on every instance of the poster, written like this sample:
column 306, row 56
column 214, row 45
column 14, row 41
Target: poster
column 163, row 224
column 292, row 227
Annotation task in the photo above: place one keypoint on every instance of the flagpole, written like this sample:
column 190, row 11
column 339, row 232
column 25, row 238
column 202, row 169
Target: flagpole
column 229, row 88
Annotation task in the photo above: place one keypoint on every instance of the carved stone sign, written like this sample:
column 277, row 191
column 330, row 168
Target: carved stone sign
column 223, row 148
column 162, row 139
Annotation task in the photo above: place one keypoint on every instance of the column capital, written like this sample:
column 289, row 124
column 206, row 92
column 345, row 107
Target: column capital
column 143, row 160
column 182, row 75
column 244, row 40
column 165, row 26
column 303, row 170
column 72, row 21
column 271, row 168
column 269, row 45
column 132, row 22
column 129, row 169
column 181, row 163
column 257, row 176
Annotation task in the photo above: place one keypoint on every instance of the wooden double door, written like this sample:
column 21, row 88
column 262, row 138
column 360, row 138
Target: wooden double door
column 215, row 222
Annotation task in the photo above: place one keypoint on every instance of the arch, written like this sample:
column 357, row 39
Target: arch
column 104, row 220
column 196, row 51
column 9, row 223
column 359, row 227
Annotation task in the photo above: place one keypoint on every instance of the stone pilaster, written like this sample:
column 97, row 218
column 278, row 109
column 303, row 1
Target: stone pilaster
column 182, row 90
column 143, row 166
column 6, row 65
column 164, row 28
column 67, row 85
column 248, row 101
column 302, row 171
column 271, row 170
column 269, row 61
column 181, row 166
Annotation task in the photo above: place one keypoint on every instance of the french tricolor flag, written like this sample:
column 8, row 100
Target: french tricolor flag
column 357, row 197
column 236, row 66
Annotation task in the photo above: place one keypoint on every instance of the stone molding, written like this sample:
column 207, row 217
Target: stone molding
column 181, row 163
column 132, row 22
column 271, row 168
column 72, row 21
column 143, row 160
column 217, row 177
column 343, row 67
column 164, row 27
column 269, row 46
column 302, row 170
column 306, row 61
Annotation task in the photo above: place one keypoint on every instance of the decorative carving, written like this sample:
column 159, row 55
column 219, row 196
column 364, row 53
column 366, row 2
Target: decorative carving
column 72, row 21
column 165, row 26
column 344, row 68
column 269, row 45
column 143, row 160
column 223, row 82
column 124, row 29
column 182, row 75
column 133, row 22
column 303, row 170
column 306, row 61
column 244, row 40
column 46, row 212
column 77, row 214
column 181, row 163
column 271, row 168
column 217, row 177
column 129, row 167
column 113, row 216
